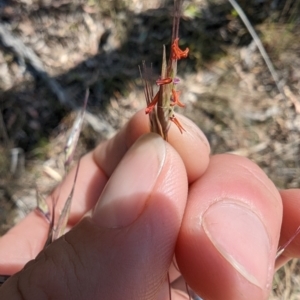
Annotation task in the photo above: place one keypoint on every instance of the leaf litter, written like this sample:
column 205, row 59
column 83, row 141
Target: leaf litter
column 232, row 98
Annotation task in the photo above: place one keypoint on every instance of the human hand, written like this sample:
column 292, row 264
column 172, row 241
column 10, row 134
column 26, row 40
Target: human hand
column 225, row 237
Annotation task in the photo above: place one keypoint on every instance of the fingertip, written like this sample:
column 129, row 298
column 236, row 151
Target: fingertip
column 230, row 231
column 193, row 147
column 22, row 243
column 137, row 126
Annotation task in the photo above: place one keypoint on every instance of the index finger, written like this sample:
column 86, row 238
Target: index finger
column 289, row 229
column 192, row 145
column 24, row 241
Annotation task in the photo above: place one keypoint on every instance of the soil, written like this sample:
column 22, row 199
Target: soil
column 52, row 51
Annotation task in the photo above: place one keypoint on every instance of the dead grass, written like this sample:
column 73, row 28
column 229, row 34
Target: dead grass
column 233, row 99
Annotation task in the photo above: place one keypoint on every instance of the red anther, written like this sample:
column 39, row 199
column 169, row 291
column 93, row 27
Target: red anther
column 177, row 53
column 177, row 123
column 164, row 81
column 175, row 99
column 152, row 104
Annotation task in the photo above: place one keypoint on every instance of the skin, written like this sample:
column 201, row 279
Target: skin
column 139, row 202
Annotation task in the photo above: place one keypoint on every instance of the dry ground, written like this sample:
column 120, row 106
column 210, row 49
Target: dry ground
column 76, row 45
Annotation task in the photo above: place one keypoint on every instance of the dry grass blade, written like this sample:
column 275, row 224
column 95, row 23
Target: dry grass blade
column 69, row 155
column 42, row 206
column 283, row 247
column 74, row 135
column 148, row 92
column 64, row 216
column 57, row 229
column 163, row 105
column 259, row 45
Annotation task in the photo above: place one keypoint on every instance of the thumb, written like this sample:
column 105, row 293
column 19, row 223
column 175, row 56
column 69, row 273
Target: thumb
column 124, row 249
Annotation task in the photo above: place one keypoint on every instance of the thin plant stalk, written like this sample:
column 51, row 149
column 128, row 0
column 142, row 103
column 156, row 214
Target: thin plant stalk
column 161, row 106
column 283, row 247
column 56, row 229
column 75, row 133
column 259, row 45
column 64, row 216
column 146, row 75
column 69, row 150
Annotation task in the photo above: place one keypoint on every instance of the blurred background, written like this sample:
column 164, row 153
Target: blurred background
column 52, row 51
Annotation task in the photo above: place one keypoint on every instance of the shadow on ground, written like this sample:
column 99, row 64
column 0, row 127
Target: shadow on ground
column 31, row 107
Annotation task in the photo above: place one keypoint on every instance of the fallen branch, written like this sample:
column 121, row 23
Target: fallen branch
column 27, row 56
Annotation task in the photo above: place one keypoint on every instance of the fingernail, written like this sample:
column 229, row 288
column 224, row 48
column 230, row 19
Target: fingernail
column 129, row 187
column 241, row 238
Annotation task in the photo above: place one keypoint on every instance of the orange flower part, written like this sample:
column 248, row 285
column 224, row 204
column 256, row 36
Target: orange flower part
column 164, row 81
column 177, row 53
column 152, row 104
column 177, row 123
column 175, row 99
